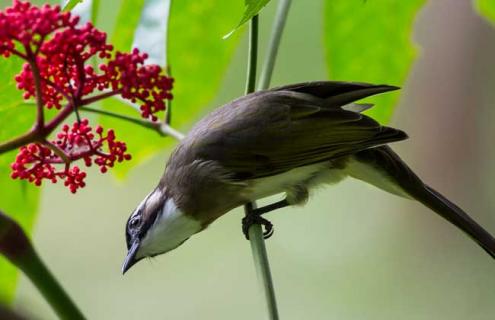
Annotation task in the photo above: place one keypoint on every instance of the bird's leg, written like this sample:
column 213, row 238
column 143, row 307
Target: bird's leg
column 253, row 216
column 271, row 207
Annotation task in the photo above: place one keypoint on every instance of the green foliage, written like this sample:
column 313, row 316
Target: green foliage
column 486, row 8
column 198, row 59
column 370, row 41
column 70, row 4
column 126, row 24
column 252, row 7
column 95, row 9
column 18, row 199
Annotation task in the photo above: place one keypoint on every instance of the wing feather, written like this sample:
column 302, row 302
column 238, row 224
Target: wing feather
column 274, row 131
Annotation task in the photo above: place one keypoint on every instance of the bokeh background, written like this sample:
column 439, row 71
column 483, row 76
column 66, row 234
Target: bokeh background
column 354, row 252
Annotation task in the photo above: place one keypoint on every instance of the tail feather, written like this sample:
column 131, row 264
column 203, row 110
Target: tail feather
column 455, row 215
column 398, row 178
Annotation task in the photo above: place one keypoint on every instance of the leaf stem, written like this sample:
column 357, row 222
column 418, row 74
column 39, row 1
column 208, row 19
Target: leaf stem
column 61, row 116
column 255, row 232
column 162, row 129
column 50, row 288
column 19, row 141
column 16, row 247
column 59, row 152
column 168, row 130
column 139, row 122
column 40, row 115
column 253, row 55
column 277, row 30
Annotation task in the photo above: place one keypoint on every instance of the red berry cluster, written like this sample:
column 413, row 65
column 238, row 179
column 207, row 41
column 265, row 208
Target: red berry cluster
column 61, row 58
column 63, row 67
column 58, row 74
column 35, row 162
column 136, row 81
column 30, row 25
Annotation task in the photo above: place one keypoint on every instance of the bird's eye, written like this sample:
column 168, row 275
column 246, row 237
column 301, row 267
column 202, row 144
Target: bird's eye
column 134, row 222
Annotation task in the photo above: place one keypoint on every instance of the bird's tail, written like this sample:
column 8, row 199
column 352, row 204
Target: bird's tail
column 455, row 215
column 388, row 163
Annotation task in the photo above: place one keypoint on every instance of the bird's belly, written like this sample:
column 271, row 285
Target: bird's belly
column 307, row 176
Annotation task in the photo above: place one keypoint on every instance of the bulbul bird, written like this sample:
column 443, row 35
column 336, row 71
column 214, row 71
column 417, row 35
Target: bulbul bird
column 286, row 140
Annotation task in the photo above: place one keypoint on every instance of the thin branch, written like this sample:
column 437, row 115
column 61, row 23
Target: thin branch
column 40, row 115
column 18, row 141
column 61, row 116
column 168, row 130
column 19, row 54
column 277, row 30
column 59, row 152
column 168, row 113
column 140, row 122
column 98, row 97
column 161, row 128
column 255, row 231
column 18, row 249
column 253, row 55
column 57, row 88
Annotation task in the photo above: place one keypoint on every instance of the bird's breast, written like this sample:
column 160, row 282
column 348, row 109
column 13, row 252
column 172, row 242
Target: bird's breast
column 308, row 177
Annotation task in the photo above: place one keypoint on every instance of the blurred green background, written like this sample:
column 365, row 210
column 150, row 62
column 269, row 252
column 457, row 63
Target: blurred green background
column 354, row 252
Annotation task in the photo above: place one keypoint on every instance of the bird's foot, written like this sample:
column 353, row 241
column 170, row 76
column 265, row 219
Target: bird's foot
column 254, row 218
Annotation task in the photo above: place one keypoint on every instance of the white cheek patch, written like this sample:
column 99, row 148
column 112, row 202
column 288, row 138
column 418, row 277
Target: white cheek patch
column 170, row 229
column 151, row 196
column 154, row 197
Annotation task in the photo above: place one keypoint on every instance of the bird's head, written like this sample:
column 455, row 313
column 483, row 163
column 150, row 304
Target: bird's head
column 155, row 227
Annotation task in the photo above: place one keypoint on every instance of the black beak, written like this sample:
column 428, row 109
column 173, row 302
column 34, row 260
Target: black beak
column 131, row 260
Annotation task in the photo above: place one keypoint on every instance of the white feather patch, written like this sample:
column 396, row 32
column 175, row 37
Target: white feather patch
column 367, row 173
column 171, row 228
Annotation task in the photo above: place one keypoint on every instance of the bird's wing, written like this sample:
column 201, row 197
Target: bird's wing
column 337, row 93
column 275, row 131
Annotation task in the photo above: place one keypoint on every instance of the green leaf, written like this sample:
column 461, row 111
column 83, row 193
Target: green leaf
column 95, row 9
column 17, row 198
column 126, row 24
column 252, row 8
column 371, row 41
column 70, row 4
column 198, row 58
column 486, row 8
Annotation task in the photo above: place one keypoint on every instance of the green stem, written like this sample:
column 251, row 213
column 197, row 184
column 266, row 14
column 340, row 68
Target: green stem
column 19, row 141
column 50, row 288
column 17, row 248
column 262, row 264
column 253, row 55
column 277, row 30
column 139, row 122
column 163, row 129
column 40, row 115
column 255, row 232
column 168, row 112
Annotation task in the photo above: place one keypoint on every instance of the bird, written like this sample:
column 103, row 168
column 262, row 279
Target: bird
column 286, row 140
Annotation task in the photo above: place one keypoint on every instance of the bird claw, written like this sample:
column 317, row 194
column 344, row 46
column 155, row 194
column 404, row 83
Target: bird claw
column 251, row 219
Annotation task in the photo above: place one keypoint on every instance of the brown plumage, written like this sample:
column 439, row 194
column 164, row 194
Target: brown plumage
column 284, row 140
column 268, row 133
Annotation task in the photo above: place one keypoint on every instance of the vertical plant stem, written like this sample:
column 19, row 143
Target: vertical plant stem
column 40, row 115
column 252, row 55
column 255, row 231
column 50, row 288
column 277, row 30
column 262, row 264
column 17, row 248
column 167, row 119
